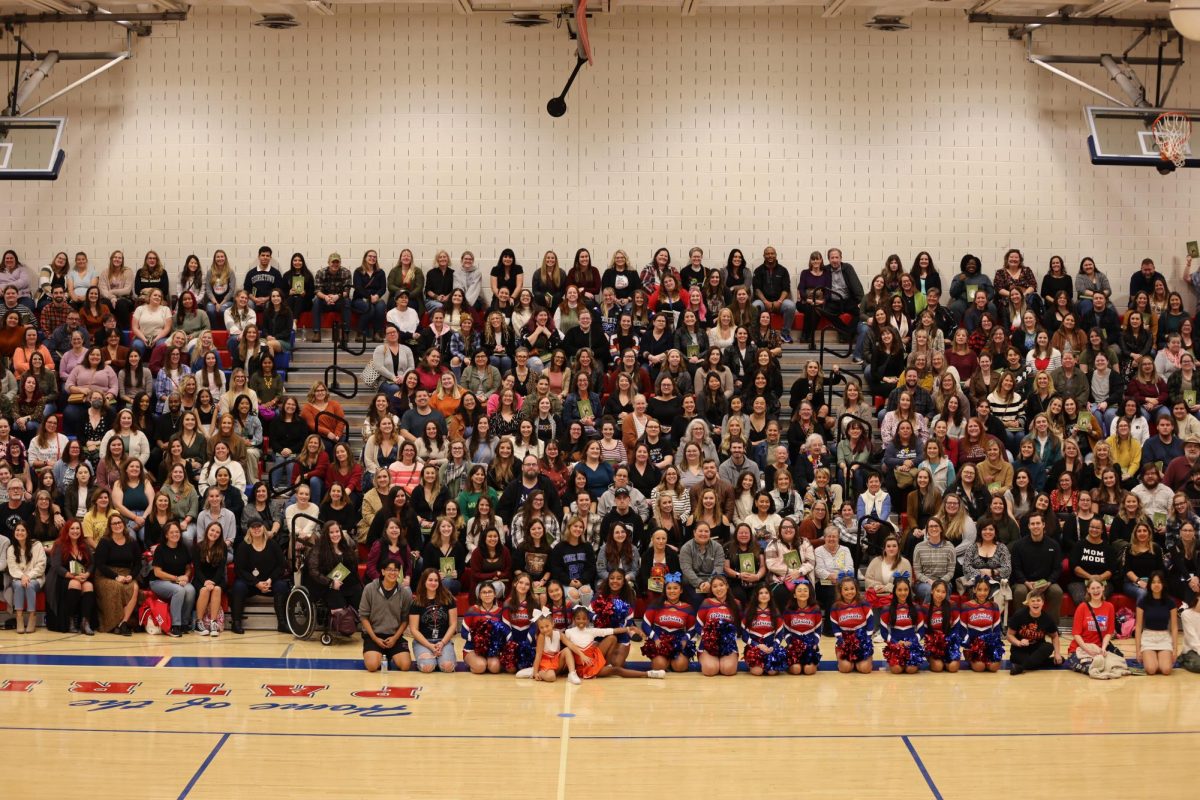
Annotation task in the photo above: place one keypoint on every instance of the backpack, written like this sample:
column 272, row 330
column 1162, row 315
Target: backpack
column 343, row 621
column 155, row 614
column 1126, row 623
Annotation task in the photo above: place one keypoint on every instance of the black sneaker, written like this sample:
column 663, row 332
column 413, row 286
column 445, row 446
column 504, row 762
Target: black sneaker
column 1015, row 670
column 123, row 629
column 237, row 628
column 175, row 632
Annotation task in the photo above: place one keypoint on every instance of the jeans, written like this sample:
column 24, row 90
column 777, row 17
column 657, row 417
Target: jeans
column 181, row 598
column 421, row 653
column 787, row 309
column 144, row 349
column 860, row 341
column 1133, row 592
column 338, row 307
column 216, row 311
column 25, row 597
column 73, row 416
column 432, row 305
column 502, row 363
column 370, row 315
column 1105, row 417
column 923, row 591
column 1085, row 308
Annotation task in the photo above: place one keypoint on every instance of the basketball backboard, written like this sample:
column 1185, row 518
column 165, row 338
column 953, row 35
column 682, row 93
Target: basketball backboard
column 30, row 148
column 1122, row 137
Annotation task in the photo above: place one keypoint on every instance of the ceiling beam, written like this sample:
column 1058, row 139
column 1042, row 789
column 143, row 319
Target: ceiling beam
column 1094, row 22
column 464, row 7
column 689, row 7
column 92, row 16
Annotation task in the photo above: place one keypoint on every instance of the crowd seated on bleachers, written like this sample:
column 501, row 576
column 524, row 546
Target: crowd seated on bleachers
column 580, row 435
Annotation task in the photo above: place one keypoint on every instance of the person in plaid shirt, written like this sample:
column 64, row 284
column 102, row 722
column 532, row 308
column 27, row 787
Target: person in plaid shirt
column 332, row 284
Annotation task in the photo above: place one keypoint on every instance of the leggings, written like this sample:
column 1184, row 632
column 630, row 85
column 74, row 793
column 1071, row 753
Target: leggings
column 1038, row 656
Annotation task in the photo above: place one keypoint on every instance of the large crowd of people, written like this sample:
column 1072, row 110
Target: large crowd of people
column 596, row 456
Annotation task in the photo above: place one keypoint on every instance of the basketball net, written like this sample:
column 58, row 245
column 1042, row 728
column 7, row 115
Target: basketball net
column 1172, row 130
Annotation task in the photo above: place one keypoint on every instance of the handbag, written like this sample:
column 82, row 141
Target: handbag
column 77, row 397
column 904, row 480
column 370, row 375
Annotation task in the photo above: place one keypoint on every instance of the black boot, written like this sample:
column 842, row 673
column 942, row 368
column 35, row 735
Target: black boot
column 281, row 613
column 237, row 610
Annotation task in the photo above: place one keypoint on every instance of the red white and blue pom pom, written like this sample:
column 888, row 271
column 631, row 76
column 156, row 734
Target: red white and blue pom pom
column 719, row 638
column 517, row 655
column 987, row 647
column 855, row 645
column 603, row 615
column 904, row 653
column 488, row 637
column 774, row 661
column 804, row 650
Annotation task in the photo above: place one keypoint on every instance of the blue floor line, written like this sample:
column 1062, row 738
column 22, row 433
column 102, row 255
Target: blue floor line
column 54, row 660
column 213, row 754
column 912, row 751
column 592, row 737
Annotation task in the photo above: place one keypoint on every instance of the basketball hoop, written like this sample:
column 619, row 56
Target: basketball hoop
column 1171, row 133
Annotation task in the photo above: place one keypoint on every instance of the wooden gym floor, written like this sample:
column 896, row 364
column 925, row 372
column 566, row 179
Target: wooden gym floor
column 192, row 718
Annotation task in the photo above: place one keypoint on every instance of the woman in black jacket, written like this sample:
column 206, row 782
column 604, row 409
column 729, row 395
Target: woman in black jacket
column 287, row 434
column 334, row 551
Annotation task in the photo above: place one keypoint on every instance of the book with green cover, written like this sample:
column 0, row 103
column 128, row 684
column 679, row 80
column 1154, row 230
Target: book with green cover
column 792, row 559
column 76, row 567
column 339, row 573
column 747, row 563
column 1160, row 519
column 1189, row 397
column 655, row 584
column 446, row 565
column 972, row 288
column 1108, row 520
column 1193, row 249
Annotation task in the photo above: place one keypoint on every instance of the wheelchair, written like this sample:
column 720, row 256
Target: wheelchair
column 307, row 614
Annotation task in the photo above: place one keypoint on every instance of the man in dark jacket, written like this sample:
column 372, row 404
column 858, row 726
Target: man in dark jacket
column 1036, row 566
column 845, row 293
column 587, row 334
column 518, row 491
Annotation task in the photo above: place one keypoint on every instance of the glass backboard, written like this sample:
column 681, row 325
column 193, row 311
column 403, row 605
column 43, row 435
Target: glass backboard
column 30, row 148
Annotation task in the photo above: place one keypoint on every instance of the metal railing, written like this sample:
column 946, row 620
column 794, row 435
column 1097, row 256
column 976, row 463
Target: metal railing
column 341, row 341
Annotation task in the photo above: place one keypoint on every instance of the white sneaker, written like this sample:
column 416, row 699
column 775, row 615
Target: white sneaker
column 657, row 674
column 202, row 628
column 214, row 629
column 525, row 673
column 573, row 678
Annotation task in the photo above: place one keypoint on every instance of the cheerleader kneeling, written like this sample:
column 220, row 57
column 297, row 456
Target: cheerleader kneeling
column 902, row 622
column 670, row 625
column 943, row 637
column 802, row 620
column 852, row 619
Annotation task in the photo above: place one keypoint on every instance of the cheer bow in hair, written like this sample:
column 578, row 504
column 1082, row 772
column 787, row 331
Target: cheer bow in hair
column 674, row 577
column 903, row 574
column 538, row 613
column 846, row 573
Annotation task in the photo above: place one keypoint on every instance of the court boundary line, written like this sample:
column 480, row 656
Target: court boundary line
column 204, row 765
column 564, row 739
column 912, row 751
column 601, row 737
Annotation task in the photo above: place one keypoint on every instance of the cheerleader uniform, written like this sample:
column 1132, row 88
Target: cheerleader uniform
column 551, row 652
column 939, row 645
column 669, row 630
column 522, row 636
column 852, row 625
column 763, row 629
column 980, row 623
column 802, row 634
column 902, row 635
column 718, row 628
column 488, row 643
column 610, row 611
column 561, row 617
column 585, row 639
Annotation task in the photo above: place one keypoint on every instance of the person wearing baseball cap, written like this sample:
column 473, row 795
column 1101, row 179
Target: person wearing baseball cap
column 1180, row 467
column 259, row 568
column 331, row 292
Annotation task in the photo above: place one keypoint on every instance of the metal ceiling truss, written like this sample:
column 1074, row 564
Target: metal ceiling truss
column 39, row 65
column 1120, row 68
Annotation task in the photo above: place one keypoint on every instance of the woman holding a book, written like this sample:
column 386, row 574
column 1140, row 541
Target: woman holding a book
column 333, row 568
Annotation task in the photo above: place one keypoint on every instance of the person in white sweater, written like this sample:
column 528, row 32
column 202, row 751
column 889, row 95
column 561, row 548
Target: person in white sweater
column 208, row 473
column 468, row 278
